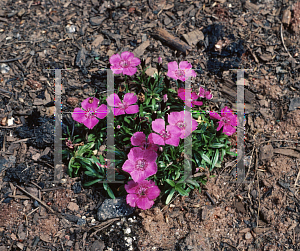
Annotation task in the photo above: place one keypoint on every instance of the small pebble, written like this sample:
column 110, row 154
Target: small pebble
column 127, row 231
column 35, row 204
column 248, row 236
column 70, row 28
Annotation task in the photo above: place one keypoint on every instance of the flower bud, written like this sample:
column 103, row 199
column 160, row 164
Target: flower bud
column 165, row 97
column 159, row 60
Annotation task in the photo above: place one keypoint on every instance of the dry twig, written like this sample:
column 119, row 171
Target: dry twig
column 37, row 199
column 281, row 34
column 103, row 225
column 298, row 176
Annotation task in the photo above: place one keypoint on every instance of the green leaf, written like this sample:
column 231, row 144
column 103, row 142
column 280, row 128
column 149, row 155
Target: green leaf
column 141, row 110
column 170, row 182
column 193, row 182
column 91, row 137
column 215, row 160
column 127, row 120
column 153, row 104
column 205, row 158
column 85, row 148
column 231, row 153
column 177, row 175
column 181, row 191
column 169, row 198
column 217, row 145
column 110, row 192
column 127, row 130
column 89, row 183
column 89, row 173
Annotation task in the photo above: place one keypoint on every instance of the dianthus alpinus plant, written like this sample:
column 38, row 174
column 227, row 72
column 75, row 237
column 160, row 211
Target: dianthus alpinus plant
column 150, row 128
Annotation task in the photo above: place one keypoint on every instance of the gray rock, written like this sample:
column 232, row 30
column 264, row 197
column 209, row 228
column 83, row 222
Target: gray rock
column 7, row 163
column 97, row 20
column 294, row 104
column 113, row 208
column 98, row 246
column 81, row 222
column 195, row 241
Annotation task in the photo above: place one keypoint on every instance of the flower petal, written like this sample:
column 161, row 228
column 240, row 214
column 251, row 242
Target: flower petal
column 214, row 115
column 208, row 95
column 194, row 124
column 228, row 130
column 115, row 59
column 129, row 98
column 151, row 169
column 132, row 109
column 221, row 123
column 135, row 61
column 138, row 139
column 201, row 92
column 118, row 111
column 126, row 55
column 181, row 93
column 158, row 125
column 144, row 203
column 172, row 74
column 173, row 117
column 150, row 156
column 87, row 105
column 172, row 66
column 91, row 122
column 175, row 135
column 129, row 71
column 157, row 139
column 138, row 176
column 113, row 100
column 79, row 115
column 153, row 192
column 185, row 65
column 101, row 112
column 116, row 70
column 197, row 103
column 131, row 186
column 128, row 166
column 135, row 154
column 131, row 199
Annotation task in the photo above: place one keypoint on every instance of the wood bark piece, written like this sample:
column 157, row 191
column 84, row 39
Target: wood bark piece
column 99, row 39
column 288, row 152
column 193, row 37
column 139, row 51
column 286, row 17
column 174, row 42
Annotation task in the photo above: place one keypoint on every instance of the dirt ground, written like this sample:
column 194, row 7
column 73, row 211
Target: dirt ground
column 38, row 213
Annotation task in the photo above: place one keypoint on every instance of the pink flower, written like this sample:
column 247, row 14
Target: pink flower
column 194, row 97
column 159, row 60
column 141, row 194
column 182, row 73
column 170, row 136
column 204, row 94
column 165, row 98
column 139, row 139
column 125, row 106
column 90, row 112
column 126, row 63
column 227, row 120
column 178, row 119
column 140, row 164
